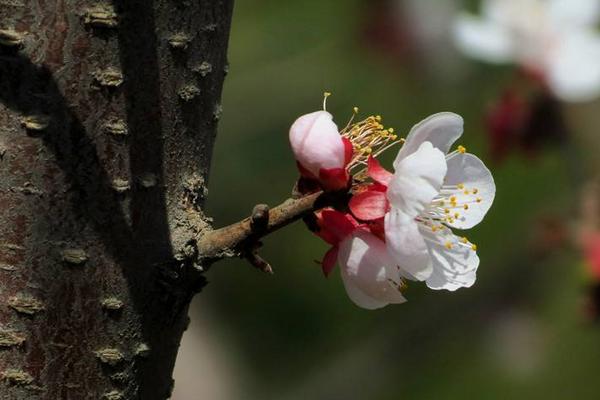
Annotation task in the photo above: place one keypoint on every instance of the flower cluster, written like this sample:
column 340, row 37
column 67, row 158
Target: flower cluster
column 556, row 40
column 396, row 226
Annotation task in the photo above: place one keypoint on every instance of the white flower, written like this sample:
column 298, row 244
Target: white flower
column 431, row 192
column 557, row 38
column 371, row 277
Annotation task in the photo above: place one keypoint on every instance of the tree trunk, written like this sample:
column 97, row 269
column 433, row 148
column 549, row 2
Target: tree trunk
column 108, row 114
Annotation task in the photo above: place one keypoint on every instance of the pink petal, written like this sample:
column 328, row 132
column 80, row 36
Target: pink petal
column 369, row 205
column 316, row 142
column 333, row 179
column 377, row 172
column 305, row 173
column 329, row 260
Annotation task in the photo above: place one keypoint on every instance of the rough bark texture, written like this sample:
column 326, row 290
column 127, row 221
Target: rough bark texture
column 108, row 114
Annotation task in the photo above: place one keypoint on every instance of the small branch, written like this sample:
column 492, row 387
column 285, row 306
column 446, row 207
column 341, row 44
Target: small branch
column 243, row 238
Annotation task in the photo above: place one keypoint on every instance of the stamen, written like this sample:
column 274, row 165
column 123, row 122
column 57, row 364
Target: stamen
column 325, row 96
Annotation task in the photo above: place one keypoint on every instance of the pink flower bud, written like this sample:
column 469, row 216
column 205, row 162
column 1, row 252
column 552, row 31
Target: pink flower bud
column 317, row 144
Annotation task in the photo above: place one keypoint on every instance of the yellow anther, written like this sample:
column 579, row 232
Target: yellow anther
column 368, row 150
column 462, row 149
column 464, row 240
column 456, row 215
column 448, row 245
column 475, row 191
column 453, row 199
column 394, row 137
column 326, row 94
column 402, row 140
column 474, row 247
column 378, row 117
column 479, row 199
column 403, row 285
column 355, row 110
column 466, row 207
column 434, row 228
column 391, row 130
column 446, row 211
column 460, row 186
column 466, row 191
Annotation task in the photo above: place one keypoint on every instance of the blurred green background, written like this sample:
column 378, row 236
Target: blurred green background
column 518, row 333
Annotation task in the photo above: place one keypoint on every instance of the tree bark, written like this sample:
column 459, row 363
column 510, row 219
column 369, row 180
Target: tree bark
column 108, row 113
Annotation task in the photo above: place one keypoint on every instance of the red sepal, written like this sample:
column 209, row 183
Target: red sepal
column 377, row 172
column 333, row 179
column 377, row 228
column 337, row 225
column 348, row 151
column 369, row 205
column 329, row 260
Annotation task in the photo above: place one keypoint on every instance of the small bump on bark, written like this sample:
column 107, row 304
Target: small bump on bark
column 11, row 39
column 112, row 304
column 116, row 127
column 119, row 377
column 11, row 338
column 148, row 180
column 179, row 41
column 7, row 267
column 203, row 68
column 110, row 356
column 17, row 377
column 113, row 395
column 217, row 112
column 110, row 78
column 188, row 92
column 25, row 304
column 75, row 256
column 36, row 122
column 142, row 350
column 121, row 185
column 101, row 16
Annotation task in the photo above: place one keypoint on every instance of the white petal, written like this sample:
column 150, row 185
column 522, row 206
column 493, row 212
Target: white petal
column 574, row 68
column 483, row 40
column 359, row 297
column 368, row 271
column 452, row 268
column 417, row 180
column 574, row 13
column 406, row 245
column 470, row 171
column 441, row 130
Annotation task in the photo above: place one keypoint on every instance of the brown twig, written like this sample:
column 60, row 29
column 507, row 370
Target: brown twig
column 243, row 238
